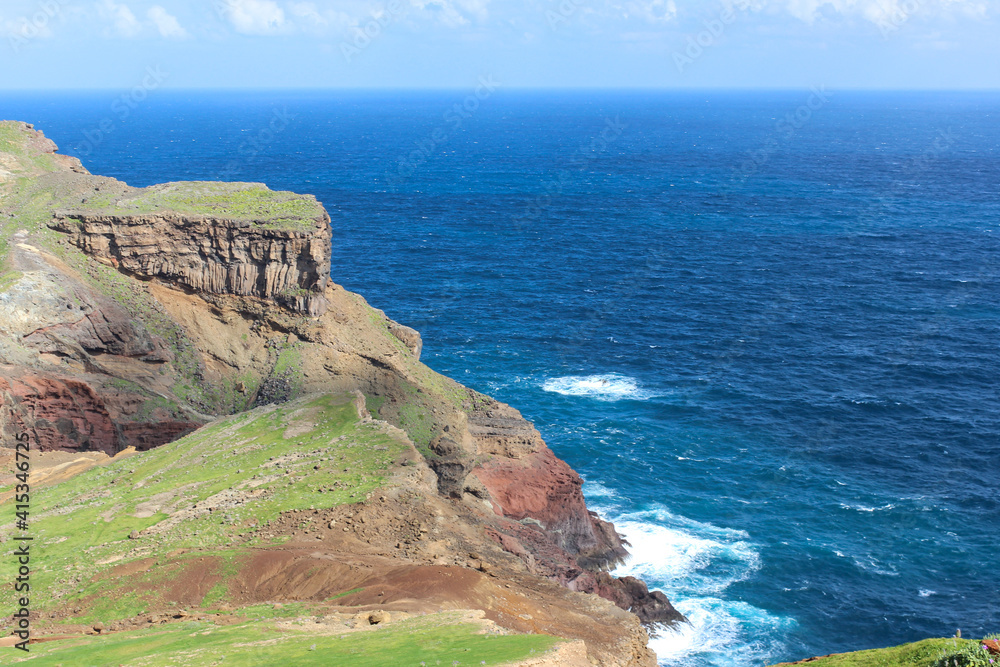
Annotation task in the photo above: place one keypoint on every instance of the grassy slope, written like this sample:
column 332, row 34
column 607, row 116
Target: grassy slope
column 919, row 654
column 17, row 193
column 82, row 526
column 439, row 639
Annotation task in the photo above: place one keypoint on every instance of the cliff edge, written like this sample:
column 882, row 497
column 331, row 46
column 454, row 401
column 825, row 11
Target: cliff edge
column 130, row 317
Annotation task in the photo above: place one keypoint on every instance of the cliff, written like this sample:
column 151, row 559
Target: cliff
column 131, row 317
column 217, row 238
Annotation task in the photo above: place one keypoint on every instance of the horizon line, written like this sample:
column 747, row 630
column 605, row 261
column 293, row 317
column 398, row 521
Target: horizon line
column 502, row 87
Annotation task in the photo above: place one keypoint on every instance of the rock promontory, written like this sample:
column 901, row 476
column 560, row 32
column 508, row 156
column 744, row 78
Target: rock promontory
column 215, row 238
column 131, row 317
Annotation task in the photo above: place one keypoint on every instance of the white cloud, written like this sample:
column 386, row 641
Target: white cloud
column 124, row 22
column 166, row 24
column 254, row 17
column 30, row 21
column 312, row 19
column 475, row 8
column 453, row 13
column 653, row 11
column 24, row 28
column 308, row 12
column 879, row 11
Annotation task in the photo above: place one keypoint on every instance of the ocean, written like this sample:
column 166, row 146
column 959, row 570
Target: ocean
column 763, row 326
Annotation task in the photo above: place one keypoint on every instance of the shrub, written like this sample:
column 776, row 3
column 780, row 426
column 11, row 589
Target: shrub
column 972, row 655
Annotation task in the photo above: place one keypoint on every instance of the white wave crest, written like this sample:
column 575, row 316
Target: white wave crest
column 867, row 508
column 609, row 387
column 721, row 632
column 694, row 563
column 676, row 551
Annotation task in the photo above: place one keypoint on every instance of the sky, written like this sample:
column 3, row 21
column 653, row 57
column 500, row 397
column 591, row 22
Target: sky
column 842, row 44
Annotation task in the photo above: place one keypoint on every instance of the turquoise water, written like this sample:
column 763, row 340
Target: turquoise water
column 768, row 344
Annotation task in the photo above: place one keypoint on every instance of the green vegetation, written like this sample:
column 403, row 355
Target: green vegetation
column 204, row 491
column 289, row 361
column 10, row 138
column 154, row 403
column 241, row 201
column 973, row 654
column 14, row 141
column 271, row 610
column 415, row 414
column 925, row 653
column 373, row 404
column 440, row 639
column 346, row 593
column 7, row 280
column 227, row 566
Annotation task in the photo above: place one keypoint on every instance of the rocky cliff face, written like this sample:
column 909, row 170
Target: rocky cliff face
column 129, row 317
column 214, row 255
column 63, row 413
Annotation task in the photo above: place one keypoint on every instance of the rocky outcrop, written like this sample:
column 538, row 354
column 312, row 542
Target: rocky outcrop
column 632, row 595
column 214, row 255
column 498, row 455
column 526, row 480
column 68, row 414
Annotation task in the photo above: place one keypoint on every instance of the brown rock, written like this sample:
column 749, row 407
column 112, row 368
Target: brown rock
column 379, row 616
column 64, row 413
column 215, row 255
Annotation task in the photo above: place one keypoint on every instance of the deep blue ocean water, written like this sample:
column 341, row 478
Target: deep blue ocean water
column 763, row 326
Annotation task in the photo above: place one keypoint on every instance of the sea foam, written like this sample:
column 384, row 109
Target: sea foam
column 694, row 563
column 608, row 387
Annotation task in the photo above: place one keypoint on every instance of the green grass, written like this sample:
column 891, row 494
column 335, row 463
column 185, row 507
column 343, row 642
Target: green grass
column 440, row 639
column 82, row 526
column 227, row 567
column 272, row 611
column 373, row 404
column 920, row 654
column 241, row 201
column 346, row 593
column 7, row 280
column 12, row 139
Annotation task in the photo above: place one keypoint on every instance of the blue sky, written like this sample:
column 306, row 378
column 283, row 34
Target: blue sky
column 923, row 44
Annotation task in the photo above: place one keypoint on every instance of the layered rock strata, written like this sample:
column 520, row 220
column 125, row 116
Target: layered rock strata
column 212, row 255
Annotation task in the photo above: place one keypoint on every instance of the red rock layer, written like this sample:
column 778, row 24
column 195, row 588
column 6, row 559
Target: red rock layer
column 67, row 414
column 547, row 523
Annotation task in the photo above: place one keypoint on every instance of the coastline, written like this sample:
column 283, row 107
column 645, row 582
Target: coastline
column 169, row 305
